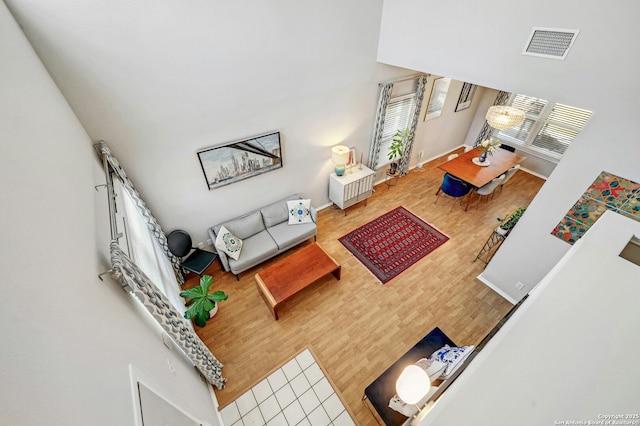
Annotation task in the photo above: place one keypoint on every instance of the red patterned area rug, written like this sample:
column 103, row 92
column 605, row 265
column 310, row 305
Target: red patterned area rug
column 393, row 242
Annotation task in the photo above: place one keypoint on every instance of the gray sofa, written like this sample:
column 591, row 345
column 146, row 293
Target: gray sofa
column 265, row 233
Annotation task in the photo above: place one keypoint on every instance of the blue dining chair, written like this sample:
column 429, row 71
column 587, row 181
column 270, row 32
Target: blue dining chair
column 508, row 147
column 453, row 187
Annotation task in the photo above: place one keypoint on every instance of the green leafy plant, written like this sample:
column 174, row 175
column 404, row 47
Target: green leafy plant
column 509, row 221
column 400, row 139
column 201, row 302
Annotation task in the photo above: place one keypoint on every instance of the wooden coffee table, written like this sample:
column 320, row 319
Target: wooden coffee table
column 282, row 280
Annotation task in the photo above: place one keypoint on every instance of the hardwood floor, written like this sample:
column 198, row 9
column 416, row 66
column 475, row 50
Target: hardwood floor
column 357, row 327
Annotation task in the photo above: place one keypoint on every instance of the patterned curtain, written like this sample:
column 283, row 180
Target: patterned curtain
column 126, row 272
column 403, row 167
column 383, row 101
column 152, row 223
column 501, row 99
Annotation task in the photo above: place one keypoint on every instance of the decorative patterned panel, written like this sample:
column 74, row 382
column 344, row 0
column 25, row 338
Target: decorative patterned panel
column 607, row 192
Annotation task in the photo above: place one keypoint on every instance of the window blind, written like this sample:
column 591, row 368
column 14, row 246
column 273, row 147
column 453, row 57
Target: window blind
column 398, row 117
column 548, row 128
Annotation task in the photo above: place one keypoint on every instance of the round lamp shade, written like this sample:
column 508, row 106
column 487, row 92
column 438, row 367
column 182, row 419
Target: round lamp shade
column 413, row 384
column 339, row 155
column 503, row 117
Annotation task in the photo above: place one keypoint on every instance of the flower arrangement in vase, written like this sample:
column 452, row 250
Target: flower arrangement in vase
column 487, row 146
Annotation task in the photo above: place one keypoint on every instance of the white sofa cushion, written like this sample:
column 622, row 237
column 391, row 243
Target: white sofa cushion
column 275, row 213
column 245, row 226
column 255, row 249
column 287, row 236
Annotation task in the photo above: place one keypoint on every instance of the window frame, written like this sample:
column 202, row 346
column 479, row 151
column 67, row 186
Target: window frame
column 385, row 142
column 539, row 121
column 142, row 246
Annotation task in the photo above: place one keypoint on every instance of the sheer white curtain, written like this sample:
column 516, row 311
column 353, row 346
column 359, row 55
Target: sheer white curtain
column 145, row 250
column 148, row 244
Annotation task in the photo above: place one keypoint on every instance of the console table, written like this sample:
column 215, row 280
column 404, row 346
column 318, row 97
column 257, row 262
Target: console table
column 378, row 393
column 353, row 186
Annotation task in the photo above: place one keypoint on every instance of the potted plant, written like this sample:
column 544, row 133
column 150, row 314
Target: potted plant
column 396, row 149
column 202, row 304
column 509, row 221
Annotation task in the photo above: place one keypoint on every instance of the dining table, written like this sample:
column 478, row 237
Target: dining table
column 469, row 170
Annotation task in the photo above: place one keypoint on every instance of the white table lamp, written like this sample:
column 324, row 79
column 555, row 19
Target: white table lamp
column 413, row 384
column 339, row 157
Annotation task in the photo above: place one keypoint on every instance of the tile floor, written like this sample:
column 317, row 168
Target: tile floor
column 298, row 393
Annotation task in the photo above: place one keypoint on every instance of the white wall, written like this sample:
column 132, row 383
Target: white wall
column 440, row 135
column 159, row 80
column 484, row 47
column 568, row 353
column 67, row 337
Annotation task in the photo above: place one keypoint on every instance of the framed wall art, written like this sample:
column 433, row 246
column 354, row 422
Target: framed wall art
column 352, row 158
column 438, row 96
column 466, row 96
column 239, row 160
column 607, row 192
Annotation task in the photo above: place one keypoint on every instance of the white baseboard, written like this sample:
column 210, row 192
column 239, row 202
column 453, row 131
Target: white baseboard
column 448, row 151
column 324, row 206
column 489, row 284
column 531, row 172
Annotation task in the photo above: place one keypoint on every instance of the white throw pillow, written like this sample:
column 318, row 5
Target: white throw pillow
column 228, row 243
column 452, row 356
column 434, row 368
column 299, row 211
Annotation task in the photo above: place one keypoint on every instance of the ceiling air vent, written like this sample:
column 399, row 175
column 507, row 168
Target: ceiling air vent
column 551, row 43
